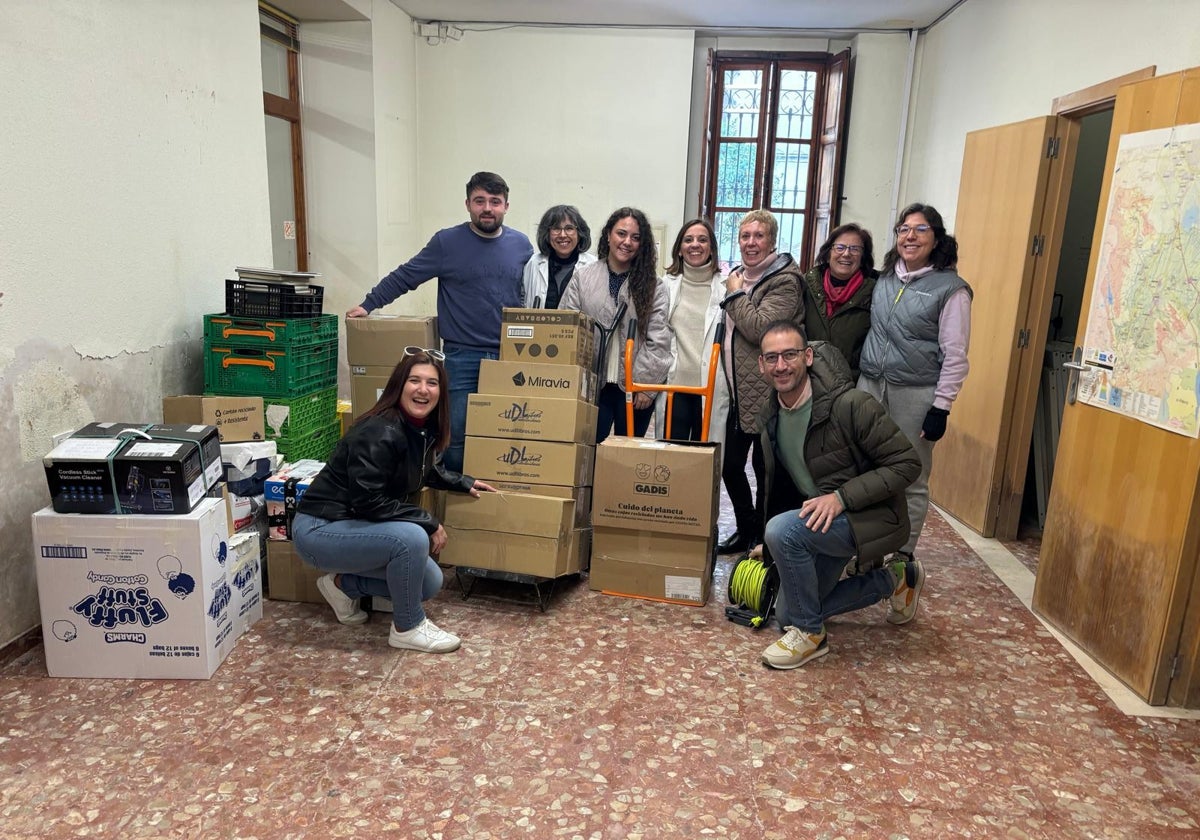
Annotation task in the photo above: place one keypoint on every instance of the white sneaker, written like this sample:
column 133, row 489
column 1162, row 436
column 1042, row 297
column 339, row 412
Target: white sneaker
column 347, row 609
column 426, row 636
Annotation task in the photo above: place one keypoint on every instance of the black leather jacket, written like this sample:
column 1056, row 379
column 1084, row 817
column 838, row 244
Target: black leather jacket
column 377, row 468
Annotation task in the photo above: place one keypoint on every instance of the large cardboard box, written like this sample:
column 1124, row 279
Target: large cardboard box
column 288, row 577
column 379, row 340
column 237, row 419
column 581, row 495
column 529, row 535
column 651, row 564
column 668, row 487
column 552, row 336
column 531, row 418
column 531, row 379
column 140, row 596
column 532, row 461
column 366, row 387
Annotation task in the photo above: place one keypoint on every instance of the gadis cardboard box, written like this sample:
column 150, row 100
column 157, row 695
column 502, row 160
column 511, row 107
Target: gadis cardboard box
column 670, row 488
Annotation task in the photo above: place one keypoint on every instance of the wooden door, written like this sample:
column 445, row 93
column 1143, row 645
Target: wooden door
column 1011, row 208
column 1119, row 551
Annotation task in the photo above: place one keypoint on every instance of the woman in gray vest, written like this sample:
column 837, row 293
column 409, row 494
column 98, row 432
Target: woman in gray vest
column 914, row 360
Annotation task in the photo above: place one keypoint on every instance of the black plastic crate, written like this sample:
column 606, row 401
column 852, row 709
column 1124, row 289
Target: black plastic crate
column 262, row 299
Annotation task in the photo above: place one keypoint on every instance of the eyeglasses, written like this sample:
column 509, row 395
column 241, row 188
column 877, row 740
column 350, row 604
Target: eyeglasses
column 412, row 350
column 564, row 229
column 847, row 249
column 789, row 356
column 920, row 230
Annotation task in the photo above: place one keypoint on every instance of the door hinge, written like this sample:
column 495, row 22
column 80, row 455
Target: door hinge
column 1039, row 245
column 1052, row 147
column 1023, row 338
column 1175, row 666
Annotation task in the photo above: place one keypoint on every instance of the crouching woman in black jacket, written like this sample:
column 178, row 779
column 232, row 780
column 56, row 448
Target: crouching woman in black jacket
column 357, row 520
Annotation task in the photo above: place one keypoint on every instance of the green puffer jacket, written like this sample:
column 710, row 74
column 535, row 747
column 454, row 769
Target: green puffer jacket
column 847, row 329
column 853, row 447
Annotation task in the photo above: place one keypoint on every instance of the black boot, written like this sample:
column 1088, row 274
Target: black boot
column 736, row 543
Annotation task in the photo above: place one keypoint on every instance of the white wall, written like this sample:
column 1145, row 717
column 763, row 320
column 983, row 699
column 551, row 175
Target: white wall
column 597, row 118
column 993, row 63
column 873, row 135
column 134, row 173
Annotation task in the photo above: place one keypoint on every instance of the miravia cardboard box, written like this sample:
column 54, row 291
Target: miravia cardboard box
column 140, row 597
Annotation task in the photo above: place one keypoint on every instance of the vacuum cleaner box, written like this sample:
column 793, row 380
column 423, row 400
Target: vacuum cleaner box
column 650, row 484
column 138, row 596
column 533, row 379
column 552, row 336
column 529, row 418
column 654, row 565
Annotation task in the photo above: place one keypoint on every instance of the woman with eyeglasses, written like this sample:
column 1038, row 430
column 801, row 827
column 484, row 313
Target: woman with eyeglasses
column 625, row 275
column 358, row 521
column 695, row 289
column 914, row 360
column 837, row 292
column 563, row 238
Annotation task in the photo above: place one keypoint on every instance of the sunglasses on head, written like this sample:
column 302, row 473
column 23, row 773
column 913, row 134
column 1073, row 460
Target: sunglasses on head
column 413, row 350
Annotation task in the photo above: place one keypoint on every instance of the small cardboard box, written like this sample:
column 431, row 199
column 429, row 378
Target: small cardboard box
column 379, row 340
column 283, row 492
column 238, row 419
column 140, row 597
column 581, row 495
column 650, row 564
column 288, row 577
column 531, row 418
column 668, row 487
column 366, row 387
column 531, row 379
column 532, row 461
column 529, row 535
column 551, row 336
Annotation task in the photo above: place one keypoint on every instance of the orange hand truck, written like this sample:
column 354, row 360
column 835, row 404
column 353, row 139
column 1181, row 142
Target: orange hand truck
column 706, row 390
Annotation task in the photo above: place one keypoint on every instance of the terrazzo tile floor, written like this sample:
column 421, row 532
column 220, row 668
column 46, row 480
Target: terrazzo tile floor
column 606, row 718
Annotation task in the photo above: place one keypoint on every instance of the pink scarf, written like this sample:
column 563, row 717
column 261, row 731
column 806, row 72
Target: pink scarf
column 836, row 296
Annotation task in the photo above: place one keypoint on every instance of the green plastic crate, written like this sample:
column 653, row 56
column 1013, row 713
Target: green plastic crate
column 240, row 370
column 297, row 418
column 269, row 332
column 317, row 445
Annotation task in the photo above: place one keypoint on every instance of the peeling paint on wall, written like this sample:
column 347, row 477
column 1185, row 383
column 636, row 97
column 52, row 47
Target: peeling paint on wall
column 46, row 401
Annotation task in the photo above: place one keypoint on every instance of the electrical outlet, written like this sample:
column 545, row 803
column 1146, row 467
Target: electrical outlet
column 60, row 437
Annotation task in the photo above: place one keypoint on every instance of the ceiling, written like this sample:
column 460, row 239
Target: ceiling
column 716, row 16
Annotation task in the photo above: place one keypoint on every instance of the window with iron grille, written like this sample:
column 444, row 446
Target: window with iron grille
column 772, row 120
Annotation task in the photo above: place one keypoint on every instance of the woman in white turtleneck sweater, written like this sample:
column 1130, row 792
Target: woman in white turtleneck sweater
column 696, row 288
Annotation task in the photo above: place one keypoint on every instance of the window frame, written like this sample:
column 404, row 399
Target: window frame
column 289, row 109
column 771, row 65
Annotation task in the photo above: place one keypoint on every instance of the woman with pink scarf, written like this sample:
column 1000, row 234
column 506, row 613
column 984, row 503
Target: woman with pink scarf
column 837, row 292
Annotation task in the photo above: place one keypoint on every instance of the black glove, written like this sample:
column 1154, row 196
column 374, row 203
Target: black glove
column 935, row 424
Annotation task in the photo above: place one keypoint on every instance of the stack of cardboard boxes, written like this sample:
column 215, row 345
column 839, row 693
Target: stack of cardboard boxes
column 125, row 594
column 654, row 511
column 531, row 432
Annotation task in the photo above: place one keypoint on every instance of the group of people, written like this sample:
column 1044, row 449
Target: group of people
column 835, row 383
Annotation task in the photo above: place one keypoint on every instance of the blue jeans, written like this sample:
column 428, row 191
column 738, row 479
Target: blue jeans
column 381, row 559
column 810, row 565
column 462, row 368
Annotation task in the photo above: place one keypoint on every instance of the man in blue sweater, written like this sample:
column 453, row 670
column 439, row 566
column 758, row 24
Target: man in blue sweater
column 479, row 266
